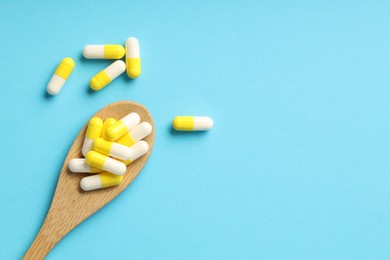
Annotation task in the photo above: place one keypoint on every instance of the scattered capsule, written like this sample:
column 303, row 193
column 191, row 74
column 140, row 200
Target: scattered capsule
column 137, row 133
column 112, row 149
column 107, row 123
column 104, row 77
column 80, row 165
column 192, row 123
column 106, row 163
column 60, row 76
column 94, row 130
column 108, row 51
column 137, row 150
column 133, row 60
column 122, row 126
column 98, row 181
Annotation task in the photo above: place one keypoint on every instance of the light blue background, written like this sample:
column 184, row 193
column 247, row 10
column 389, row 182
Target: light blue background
column 296, row 167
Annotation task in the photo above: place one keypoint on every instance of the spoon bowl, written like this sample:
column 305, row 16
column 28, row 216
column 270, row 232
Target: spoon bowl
column 71, row 205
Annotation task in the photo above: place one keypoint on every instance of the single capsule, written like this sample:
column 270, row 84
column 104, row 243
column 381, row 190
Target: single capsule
column 137, row 133
column 112, row 149
column 122, row 126
column 192, row 123
column 60, row 76
column 104, row 77
column 98, row 181
column 137, row 150
column 133, row 60
column 80, row 165
column 107, row 51
column 94, row 131
column 107, row 123
column 106, row 163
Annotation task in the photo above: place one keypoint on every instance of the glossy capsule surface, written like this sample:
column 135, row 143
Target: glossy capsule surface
column 60, row 76
column 99, row 181
column 122, row 126
column 192, row 123
column 105, row 163
column 107, row 51
column 133, row 59
column 104, row 77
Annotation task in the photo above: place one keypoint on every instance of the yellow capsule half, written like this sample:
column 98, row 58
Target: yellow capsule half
column 107, row 123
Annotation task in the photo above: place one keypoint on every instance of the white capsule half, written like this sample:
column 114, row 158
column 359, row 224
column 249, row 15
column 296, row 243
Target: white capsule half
column 138, row 149
column 141, row 131
column 79, row 165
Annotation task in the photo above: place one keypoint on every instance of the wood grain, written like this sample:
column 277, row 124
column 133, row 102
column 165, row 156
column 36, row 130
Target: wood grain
column 71, row 205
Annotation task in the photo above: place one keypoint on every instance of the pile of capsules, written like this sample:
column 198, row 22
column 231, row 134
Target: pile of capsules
column 108, row 148
column 104, row 77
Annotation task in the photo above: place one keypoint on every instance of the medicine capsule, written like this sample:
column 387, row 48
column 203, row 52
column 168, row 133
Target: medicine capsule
column 60, row 76
column 133, row 60
column 104, row 77
column 122, row 126
column 98, row 181
column 107, row 123
column 192, row 123
column 94, row 131
column 112, row 149
column 106, row 163
column 137, row 133
column 80, row 165
column 137, row 150
column 108, row 51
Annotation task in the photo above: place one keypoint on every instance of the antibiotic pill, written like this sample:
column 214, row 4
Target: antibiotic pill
column 137, row 133
column 94, row 131
column 80, row 165
column 104, row 77
column 98, row 181
column 192, row 123
column 122, row 126
column 107, row 123
column 133, row 60
column 137, row 150
column 108, row 51
column 112, row 149
column 60, row 76
column 106, row 163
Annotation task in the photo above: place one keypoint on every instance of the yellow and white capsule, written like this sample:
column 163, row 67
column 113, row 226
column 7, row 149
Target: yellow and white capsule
column 112, row 149
column 80, row 165
column 107, row 51
column 133, row 60
column 94, row 131
column 192, row 123
column 122, row 126
column 137, row 133
column 106, row 163
column 137, row 150
column 107, row 123
column 98, row 181
column 104, row 77
column 60, row 76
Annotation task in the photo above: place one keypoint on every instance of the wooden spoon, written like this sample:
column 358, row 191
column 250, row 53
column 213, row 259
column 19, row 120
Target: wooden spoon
column 71, row 205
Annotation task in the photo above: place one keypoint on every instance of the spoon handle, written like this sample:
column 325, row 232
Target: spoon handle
column 48, row 236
